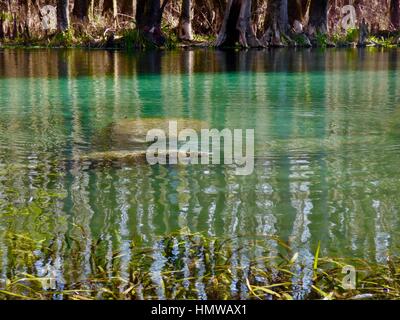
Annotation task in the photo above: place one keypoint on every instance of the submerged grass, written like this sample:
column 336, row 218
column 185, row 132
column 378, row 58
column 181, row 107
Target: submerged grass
column 183, row 265
column 45, row 256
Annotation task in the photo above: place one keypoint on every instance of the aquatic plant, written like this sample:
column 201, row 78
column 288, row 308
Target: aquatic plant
column 134, row 39
column 46, row 255
column 321, row 39
column 193, row 266
column 63, row 39
column 171, row 39
column 382, row 42
column 352, row 35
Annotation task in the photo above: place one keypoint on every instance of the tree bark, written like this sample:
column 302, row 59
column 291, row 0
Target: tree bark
column 62, row 15
column 237, row 26
column 128, row 7
column 15, row 32
column 297, row 11
column 363, row 34
column 83, row 9
column 276, row 23
column 185, row 21
column 2, row 35
column 395, row 14
column 318, row 22
column 108, row 5
column 209, row 16
column 148, row 19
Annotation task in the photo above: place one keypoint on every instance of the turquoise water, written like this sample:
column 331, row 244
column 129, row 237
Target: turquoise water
column 327, row 144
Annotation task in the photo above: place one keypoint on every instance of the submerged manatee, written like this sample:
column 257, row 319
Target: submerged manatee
column 130, row 134
column 124, row 141
column 124, row 157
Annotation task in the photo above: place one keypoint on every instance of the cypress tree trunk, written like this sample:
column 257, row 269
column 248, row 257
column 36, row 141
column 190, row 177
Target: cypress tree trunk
column 2, row 36
column 318, row 22
column 209, row 16
column 276, row 23
column 185, row 21
column 237, row 26
column 147, row 15
column 115, row 8
column 395, row 14
column 26, row 18
column 62, row 15
column 148, row 19
column 83, row 9
column 111, row 5
column 15, row 32
column 297, row 11
column 108, row 5
column 363, row 34
column 140, row 8
column 128, row 7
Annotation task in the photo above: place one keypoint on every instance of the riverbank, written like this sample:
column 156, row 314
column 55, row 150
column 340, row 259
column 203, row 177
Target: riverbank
column 131, row 39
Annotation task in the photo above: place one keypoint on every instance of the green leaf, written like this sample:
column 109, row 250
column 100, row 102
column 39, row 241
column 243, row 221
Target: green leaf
column 316, row 256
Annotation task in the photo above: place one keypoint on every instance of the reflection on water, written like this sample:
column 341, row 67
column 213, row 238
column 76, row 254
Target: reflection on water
column 327, row 144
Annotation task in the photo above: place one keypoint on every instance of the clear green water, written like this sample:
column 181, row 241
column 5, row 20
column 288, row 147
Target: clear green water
column 327, row 126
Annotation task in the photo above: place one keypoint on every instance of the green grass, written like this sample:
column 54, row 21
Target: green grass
column 321, row 40
column 134, row 39
column 300, row 40
column 204, row 38
column 171, row 38
column 63, row 39
column 352, row 35
column 383, row 42
column 6, row 16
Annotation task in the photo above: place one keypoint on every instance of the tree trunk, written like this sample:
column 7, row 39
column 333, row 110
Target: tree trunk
column 237, row 26
column 185, row 21
column 297, row 11
column 115, row 9
column 209, row 16
column 128, row 7
column 25, row 18
column 148, row 19
column 111, row 5
column 277, row 23
column 363, row 34
column 318, row 22
column 108, row 5
column 2, row 36
column 15, row 32
column 24, row 8
column 62, row 15
column 395, row 14
column 83, row 9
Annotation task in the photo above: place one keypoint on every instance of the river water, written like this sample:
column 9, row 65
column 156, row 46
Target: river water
column 327, row 145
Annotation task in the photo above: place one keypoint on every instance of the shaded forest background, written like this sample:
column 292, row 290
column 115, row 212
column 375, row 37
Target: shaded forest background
column 246, row 23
